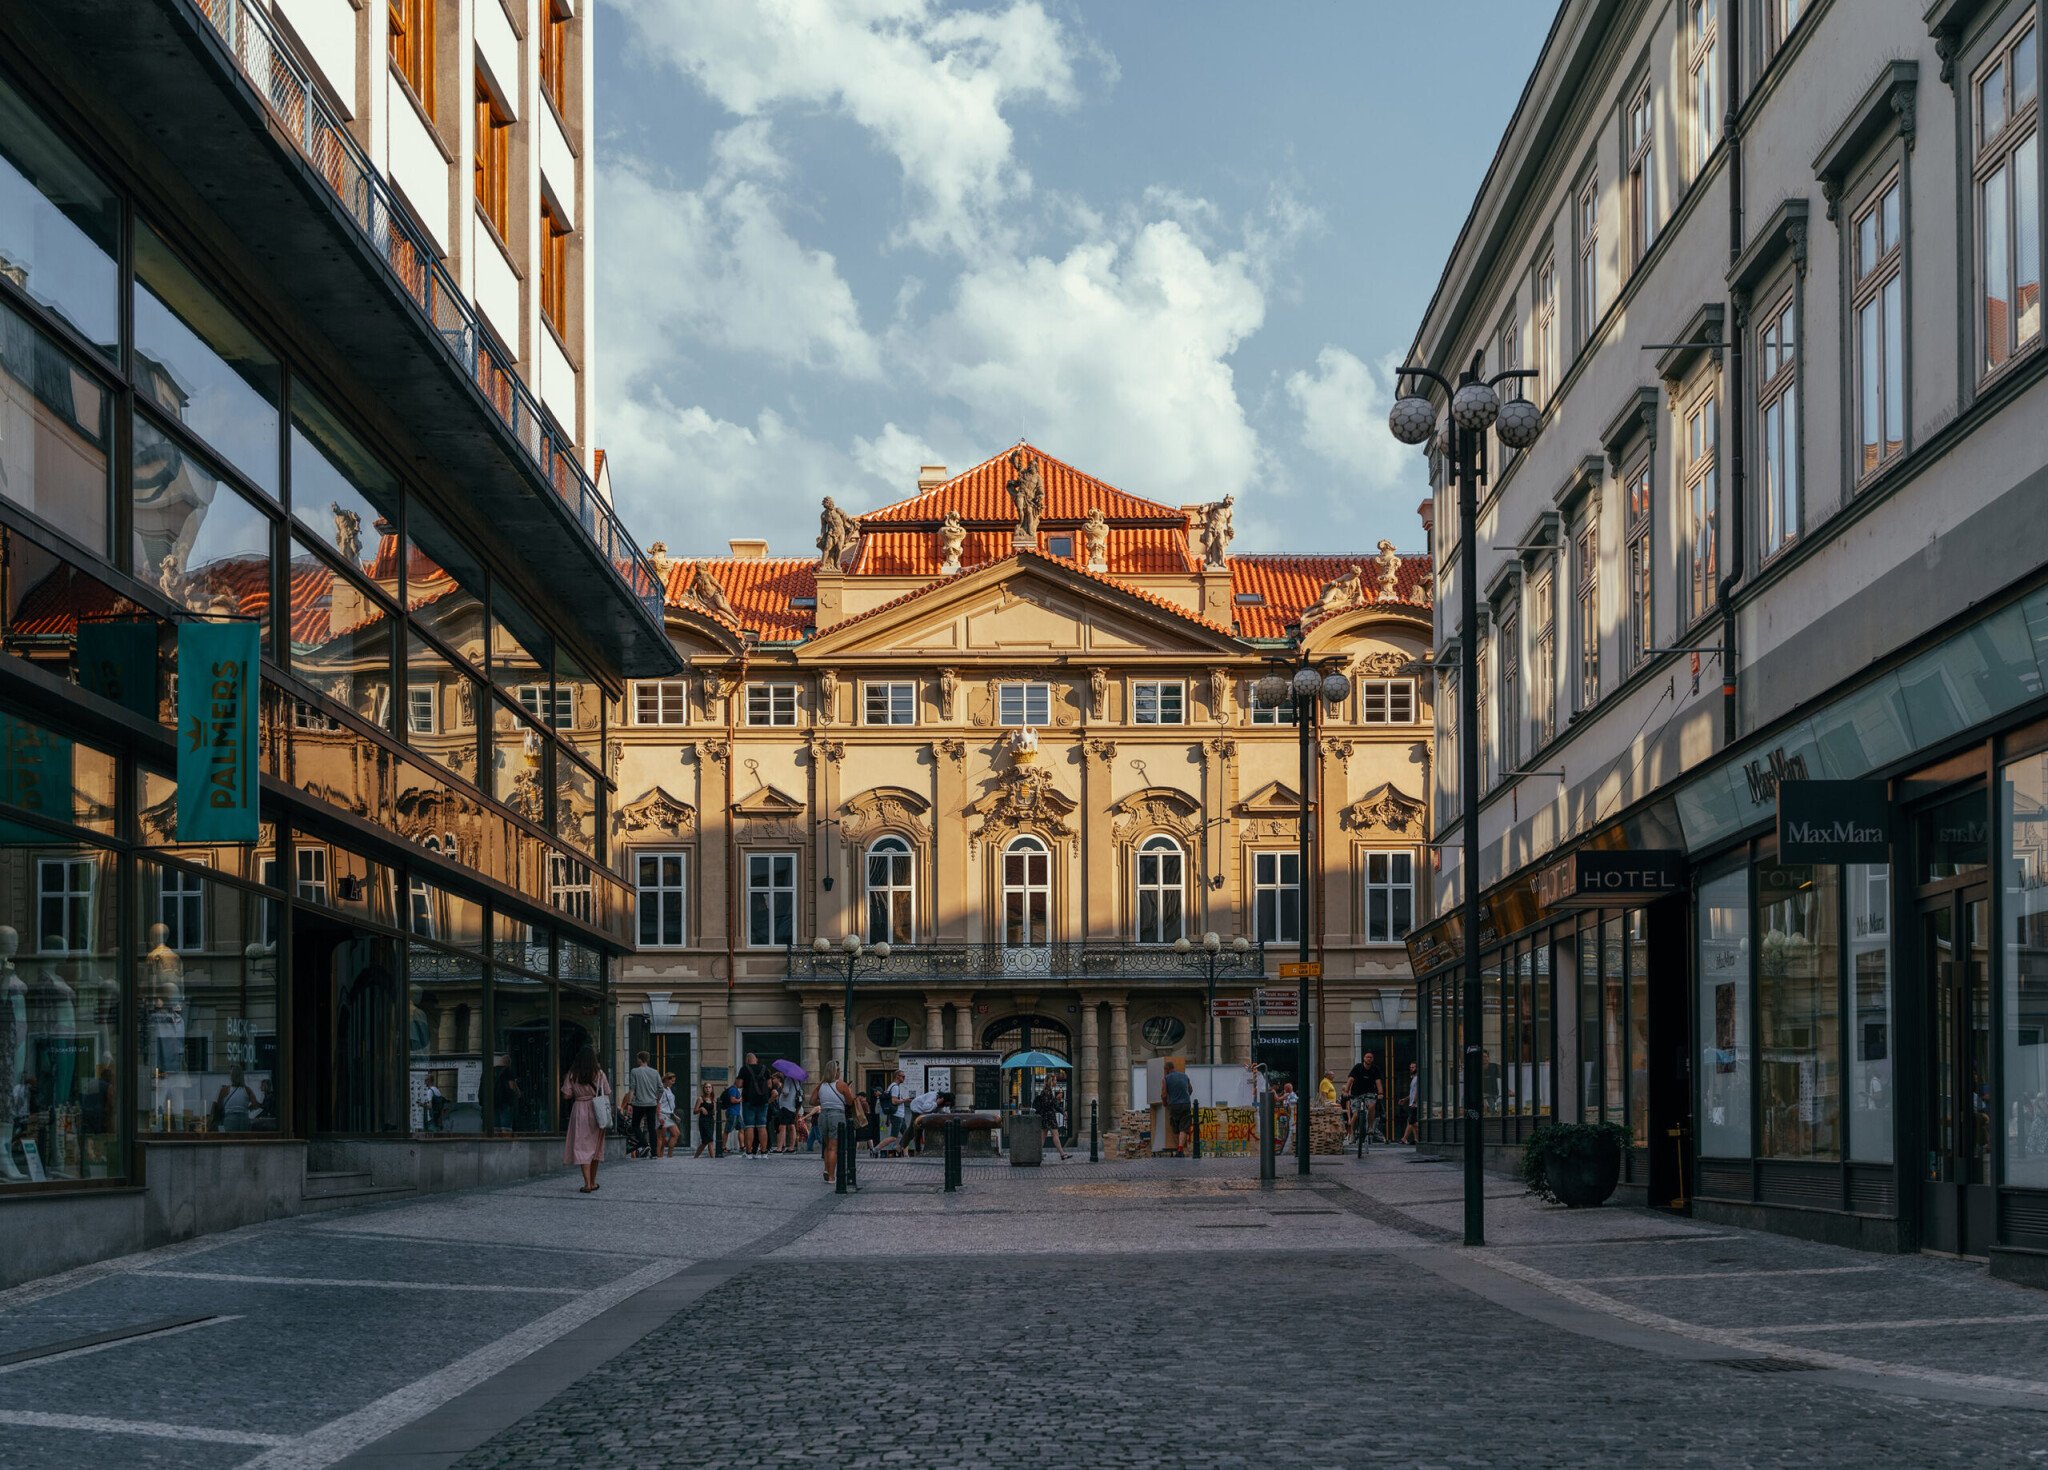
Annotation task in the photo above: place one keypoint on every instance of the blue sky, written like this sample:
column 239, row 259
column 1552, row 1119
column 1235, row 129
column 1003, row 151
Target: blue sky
column 1174, row 244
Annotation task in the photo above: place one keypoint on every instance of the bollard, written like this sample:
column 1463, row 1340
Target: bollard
column 852, row 1157
column 1268, row 1144
column 1094, row 1135
column 1198, row 1130
column 842, row 1176
column 952, row 1156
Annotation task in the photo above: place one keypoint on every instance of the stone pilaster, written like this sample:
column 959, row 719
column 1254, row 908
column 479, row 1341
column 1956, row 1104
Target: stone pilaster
column 934, row 1024
column 1119, row 1054
column 1089, row 1083
column 812, row 1059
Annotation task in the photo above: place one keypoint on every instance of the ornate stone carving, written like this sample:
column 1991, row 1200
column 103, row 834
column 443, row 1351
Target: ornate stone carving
column 1335, row 749
column 882, row 809
column 657, row 554
column 1223, row 750
column 828, row 696
column 713, row 687
column 715, row 751
column 837, row 534
column 348, row 532
column 1217, row 532
column 1095, row 540
column 706, row 589
column 1219, row 694
column 826, row 750
column 1388, row 808
column 1339, row 594
column 949, row 686
column 1023, row 745
column 952, row 538
column 1024, row 796
column 1027, row 493
column 1098, row 694
column 953, row 749
column 1381, row 665
column 1103, row 750
column 1389, row 566
column 1156, row 808
column 1907, row 106
column 656, row 811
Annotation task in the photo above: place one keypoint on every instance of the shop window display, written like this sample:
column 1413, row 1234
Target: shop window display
column 1724, row 1075
column 2023, row 853
column 1799, row 1010
column 1868, row 941
column 1639, row 1027
column 446, row 1033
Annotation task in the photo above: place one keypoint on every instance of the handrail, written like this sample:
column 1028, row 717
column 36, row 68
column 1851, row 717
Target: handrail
column 414, row 265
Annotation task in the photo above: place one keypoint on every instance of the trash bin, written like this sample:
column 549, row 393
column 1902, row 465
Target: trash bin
column 1025, row 1137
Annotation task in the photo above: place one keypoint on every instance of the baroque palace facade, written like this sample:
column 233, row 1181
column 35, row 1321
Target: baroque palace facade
column 1009, row 726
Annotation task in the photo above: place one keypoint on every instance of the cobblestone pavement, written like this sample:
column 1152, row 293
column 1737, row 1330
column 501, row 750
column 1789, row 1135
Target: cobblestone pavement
column 714, row 1313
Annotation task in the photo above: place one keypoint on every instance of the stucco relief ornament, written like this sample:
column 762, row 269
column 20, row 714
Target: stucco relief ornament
column 1098, row 693
column 713, row 688
column 659, row 812
column 1389, row 564
column 1216, row 532
column 1024, row 746
column 1095, row 539
column 1103, row 750
column 837, row 533
column 953, row 749
column 705, row 588
column 1219, row 694
column 1339, row 594
column 348, row 532
column 952, row 540
column 1382, row 665
column 1024, row 797
column 949, row 687
column 828, row 695
column 1389, row 807
column 1027, row 493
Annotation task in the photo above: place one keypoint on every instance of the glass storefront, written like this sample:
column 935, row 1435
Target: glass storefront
column 2023, row 853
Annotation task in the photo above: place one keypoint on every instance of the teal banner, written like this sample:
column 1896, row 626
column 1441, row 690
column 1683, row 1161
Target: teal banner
column 117, row 661
column 218, row 684
column 35, row 775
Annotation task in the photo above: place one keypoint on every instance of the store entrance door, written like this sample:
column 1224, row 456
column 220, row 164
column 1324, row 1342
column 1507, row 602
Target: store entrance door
column 1956, row 1198
column 1394, row 1051
column 348, row 1045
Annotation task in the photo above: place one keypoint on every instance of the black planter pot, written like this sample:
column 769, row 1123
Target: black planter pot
column 1583, row 1172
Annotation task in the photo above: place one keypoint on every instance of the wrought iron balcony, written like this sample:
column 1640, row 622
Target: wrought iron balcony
column 1067, row 963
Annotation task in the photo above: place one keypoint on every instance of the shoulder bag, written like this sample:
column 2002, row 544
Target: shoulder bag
column 601, row 1104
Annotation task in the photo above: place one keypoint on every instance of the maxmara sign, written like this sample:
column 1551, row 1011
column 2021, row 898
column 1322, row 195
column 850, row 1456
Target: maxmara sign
column 1834, row 822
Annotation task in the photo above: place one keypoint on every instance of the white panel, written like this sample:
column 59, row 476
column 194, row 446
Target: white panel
column 328, row 28
column 498, row 49
column 496, row 284
column 557, row 165
column 416, row 164
column 558, row 384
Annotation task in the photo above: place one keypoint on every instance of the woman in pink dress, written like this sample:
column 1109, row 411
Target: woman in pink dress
column 584, row 1144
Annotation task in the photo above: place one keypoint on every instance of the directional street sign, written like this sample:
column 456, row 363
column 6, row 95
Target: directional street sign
column 1231, row 1010
column 1279, row 1003
column 1301, row 970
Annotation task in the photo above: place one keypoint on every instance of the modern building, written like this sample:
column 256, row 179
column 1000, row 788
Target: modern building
column 1023, row 748
column 293, row 339
column 1776, row 266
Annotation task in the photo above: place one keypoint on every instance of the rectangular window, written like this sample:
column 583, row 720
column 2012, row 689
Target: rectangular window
column 659, row 884
column 64, row 895
column 555, row 708
column 889, row 704
column 2007, row 170
column 412, row 47
column 1489, row 747
column 1589, row 258
column 493, row 160
column 661, row 702
column 1509, row 346
column 1586, row 611
column 1158, row 702
column 1869, row 943
column 1780, row 16
column 422, row 714
column 1878, row 305
column 1799, row 1010
column 1389, row 896
column 1276, row 897
column 771, row 704
column 1386, row 701
column 1543, row 655
column 1777, row 396
column 1262, row 713
column 1641, row 525
column 2023, row 853
column 1024, row 704
column 554, row 56
column 554, row 269
column 1702, row 52
column 1509, row 660
column 569, row 886
column 1702, row 505
column 310, row 865
column 1545, row 330
column 1642, row 176
column 1724, row 1016
column 771, row 899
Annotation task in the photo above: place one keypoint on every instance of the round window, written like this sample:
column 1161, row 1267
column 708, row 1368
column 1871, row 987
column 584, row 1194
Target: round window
column 888, row 1032
column 1164, row 1031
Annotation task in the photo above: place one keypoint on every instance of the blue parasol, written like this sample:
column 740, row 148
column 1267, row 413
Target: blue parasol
column 1024, row 1059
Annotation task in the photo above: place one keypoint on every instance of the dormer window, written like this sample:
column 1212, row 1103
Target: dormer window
column 1059, row 546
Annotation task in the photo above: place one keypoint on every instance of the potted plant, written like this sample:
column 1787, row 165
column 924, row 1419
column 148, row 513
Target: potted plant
column 1574, row 1164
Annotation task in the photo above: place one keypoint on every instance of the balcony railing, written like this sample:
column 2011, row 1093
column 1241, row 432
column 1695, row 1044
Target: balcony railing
column 415, row 267
column 997, row 963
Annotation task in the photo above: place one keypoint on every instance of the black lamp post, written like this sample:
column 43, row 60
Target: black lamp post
column 1475, row 407
column 1309, row 689
column 860, row 957
column 1213, row 956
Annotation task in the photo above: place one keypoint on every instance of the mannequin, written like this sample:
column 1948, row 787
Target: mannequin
column 13, row 1046
column 163, row 1016
column 53, row 1011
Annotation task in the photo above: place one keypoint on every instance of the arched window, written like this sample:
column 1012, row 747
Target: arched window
column 1027, row 894
column 892, row 892
column 1160, row 890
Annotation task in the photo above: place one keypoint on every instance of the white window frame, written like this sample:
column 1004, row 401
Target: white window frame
column 1024, row 703
column 419, row 896
column 897, row 890
column 307, row 716
column 422, row 709
column 1586, row 221
column 1159, row 871
column 1586, row 613
column 1508, row 670
column 1777, row 418
column 1699, row 441
column 1543, row 652
column 1269, row 866
column 1998, row 165
column 660, row 702
column 309, row 874
column 897, row 697
column 1703, row 76
column 1544, row 329
column 1257, row 712
column 778, row 893
column 1876, row 305
column 661, row 888
column 181, row 908
column 1640, row 124
column 770, row 704
column 1389, row 877
column 1639, row 566
column 542, row 700
column 72, row 885
column 570, row 886
column 1386, row 702
column 1036, row 893
column 1159, row 693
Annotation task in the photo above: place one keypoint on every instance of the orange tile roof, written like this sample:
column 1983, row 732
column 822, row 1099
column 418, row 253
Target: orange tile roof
column 759, row 589
column 979, row 497
column 1288, row 585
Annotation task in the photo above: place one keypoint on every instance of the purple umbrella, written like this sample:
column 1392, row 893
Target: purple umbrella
column 791, row 1070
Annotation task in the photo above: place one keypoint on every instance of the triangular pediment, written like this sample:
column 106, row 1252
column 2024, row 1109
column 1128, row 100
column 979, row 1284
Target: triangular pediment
column 1274, row 799
column 1024, row 604
column 656, row 812
column 1390, row 809
column 767, row 801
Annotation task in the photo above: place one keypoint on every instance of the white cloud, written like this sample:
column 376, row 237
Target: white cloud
column 894, row 457
column 929, row 86
column 1343, row 405
column 1114, row 357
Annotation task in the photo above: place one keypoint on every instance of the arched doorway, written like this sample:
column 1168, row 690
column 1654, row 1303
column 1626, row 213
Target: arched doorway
column 1019, row 1089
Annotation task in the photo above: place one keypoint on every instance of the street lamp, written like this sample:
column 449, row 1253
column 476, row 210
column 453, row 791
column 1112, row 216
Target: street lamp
column 860, row 957
column 1310, row 689
column 1213, row 957
column 1476, row 406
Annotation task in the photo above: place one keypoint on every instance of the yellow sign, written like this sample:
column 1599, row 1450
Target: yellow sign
column 1301, row 970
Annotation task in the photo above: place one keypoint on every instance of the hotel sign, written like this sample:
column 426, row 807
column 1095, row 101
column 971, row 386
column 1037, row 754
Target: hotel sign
column 1594, row 879
column 1834, row 822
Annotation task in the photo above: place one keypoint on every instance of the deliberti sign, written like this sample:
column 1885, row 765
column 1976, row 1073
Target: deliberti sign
column 1834, row 822
column 1588, row 880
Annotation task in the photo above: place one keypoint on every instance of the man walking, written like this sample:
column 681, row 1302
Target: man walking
column 900, row 1094
column 643, row 1091
column 1178, row 1093
column 753, row 1107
